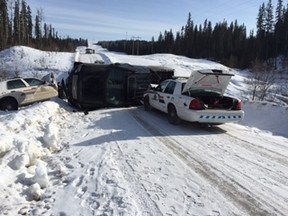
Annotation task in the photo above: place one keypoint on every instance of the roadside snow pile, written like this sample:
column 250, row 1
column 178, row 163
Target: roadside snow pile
column 28, row 137
column 33, row 62
column 181, row 65
column 50, row 138
column 266, row 116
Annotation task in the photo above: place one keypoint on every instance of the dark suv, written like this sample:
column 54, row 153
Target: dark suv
column 91, row 86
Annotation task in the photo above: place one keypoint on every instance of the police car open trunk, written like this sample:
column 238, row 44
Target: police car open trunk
column 208, row 87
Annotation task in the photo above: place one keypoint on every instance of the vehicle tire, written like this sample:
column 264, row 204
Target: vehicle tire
column 147, row 105
column 172, row 115
column 9, row 104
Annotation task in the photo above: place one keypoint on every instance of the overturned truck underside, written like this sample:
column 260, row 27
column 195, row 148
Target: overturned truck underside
column 92, row 86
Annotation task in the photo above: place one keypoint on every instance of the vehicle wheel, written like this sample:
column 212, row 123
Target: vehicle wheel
column 9, row 104
column 147, row 106
column 172, row 115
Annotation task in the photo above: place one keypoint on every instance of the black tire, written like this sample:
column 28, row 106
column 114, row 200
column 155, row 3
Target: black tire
column 9, row 104
column 147, row 106
column 172, row 115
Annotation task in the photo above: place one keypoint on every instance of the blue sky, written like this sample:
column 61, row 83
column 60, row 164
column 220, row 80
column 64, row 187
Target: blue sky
column 120, row 19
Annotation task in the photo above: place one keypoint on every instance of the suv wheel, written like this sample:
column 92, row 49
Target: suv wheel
column 147, row 106
column 9, row 104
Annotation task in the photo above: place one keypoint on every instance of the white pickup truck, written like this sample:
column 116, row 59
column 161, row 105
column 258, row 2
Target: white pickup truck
column 196, row 99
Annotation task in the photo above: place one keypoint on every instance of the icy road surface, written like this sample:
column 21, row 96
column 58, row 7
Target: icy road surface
column 132, row 162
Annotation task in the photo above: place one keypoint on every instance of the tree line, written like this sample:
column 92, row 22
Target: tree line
column 18, row 27
column 229, row 44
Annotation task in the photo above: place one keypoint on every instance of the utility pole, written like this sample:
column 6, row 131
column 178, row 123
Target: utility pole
column 125, row 45
column 133, row 38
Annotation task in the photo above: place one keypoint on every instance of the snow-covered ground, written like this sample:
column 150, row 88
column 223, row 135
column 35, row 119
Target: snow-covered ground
column 126, row 161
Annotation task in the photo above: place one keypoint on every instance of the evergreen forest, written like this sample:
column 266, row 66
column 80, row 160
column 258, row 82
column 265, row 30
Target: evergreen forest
column 228, row 43
column 19, row 27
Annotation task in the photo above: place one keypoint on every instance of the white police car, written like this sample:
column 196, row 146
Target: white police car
column 197, row 99
column 18, row 92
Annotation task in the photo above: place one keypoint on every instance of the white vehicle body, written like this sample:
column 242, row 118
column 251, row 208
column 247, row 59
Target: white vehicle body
column 18, row 92
column 197, row 99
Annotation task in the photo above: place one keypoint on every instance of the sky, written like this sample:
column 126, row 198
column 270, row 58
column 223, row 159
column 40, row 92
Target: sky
column 123, row 19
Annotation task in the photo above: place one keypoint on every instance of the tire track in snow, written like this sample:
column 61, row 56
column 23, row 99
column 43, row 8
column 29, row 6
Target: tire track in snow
column 237, row 193
column 260, row 150
column 145, row 203
column 265, row 178
column 271, row 164
column 107, row 190
column 262, row 153
column 251, row 156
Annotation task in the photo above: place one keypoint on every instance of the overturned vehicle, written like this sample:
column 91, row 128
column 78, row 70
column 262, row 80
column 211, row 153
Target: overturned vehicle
column 91, row 86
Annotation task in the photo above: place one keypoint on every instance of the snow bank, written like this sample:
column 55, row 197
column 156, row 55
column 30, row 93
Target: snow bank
column 50, row 138
column 35, row 63
column 41, row 176
column 266, row 116
column 35, row 192
column 28, row 137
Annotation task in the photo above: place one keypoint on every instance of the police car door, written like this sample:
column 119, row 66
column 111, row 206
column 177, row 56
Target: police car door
column 38, row 90
column 156, row 97
column 18, row 89
column 167, row 95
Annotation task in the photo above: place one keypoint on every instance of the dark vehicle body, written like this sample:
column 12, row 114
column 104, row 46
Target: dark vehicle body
column 91, row 86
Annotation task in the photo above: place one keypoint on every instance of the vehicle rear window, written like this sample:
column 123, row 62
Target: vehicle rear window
column 14, row 84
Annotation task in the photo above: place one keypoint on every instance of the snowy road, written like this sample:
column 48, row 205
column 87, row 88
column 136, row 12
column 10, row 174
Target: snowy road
column 245, row 167
column 132, row 162
column 141, row 165
column 126, row 161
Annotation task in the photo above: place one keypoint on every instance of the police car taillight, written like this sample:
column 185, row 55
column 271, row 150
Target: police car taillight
column 196, row 104
column 239, row 105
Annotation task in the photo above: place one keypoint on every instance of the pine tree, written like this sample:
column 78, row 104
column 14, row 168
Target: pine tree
column 261, row 49
column 160, row 43
column 16, row 23
column 38, row 24
column 4, row 24
column 188, row 36
column 279, row 11
column 29, row 25
column 283, row 41
column 46, row 30
column 261, row 20
column 279, row 27
column 38, row 33
column 23, row 23
column 269, row 19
